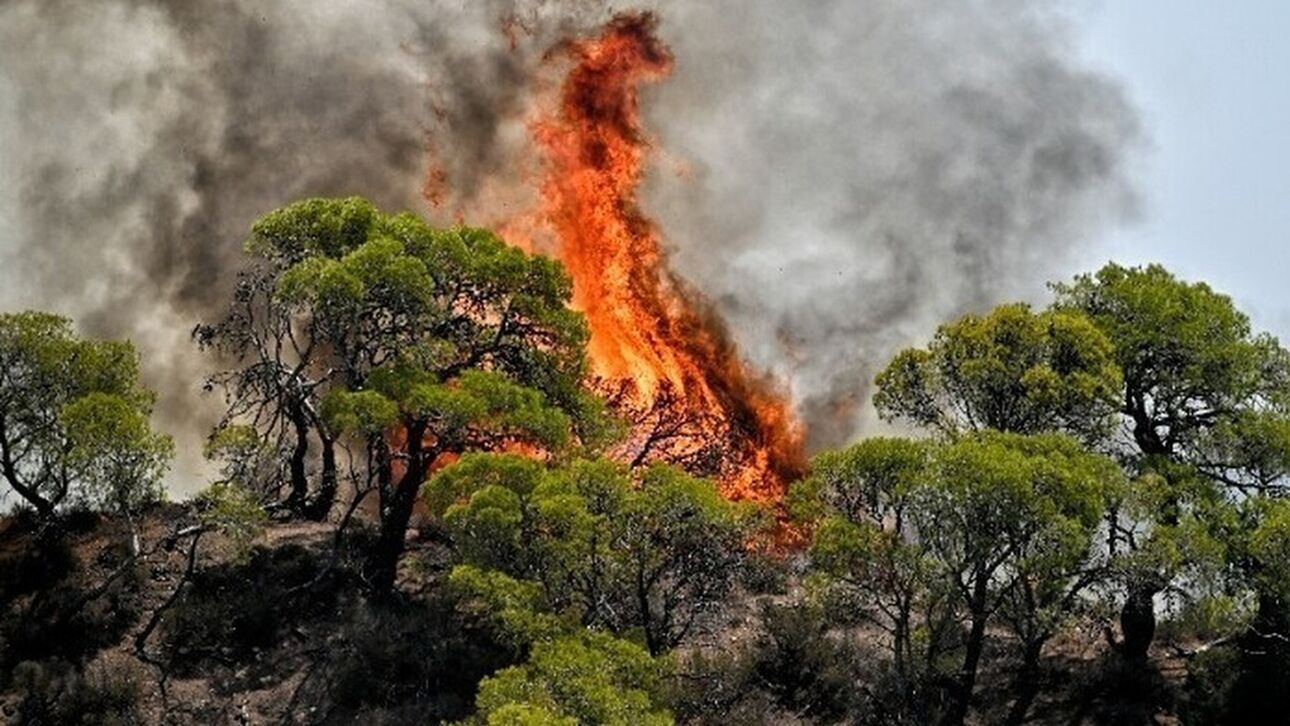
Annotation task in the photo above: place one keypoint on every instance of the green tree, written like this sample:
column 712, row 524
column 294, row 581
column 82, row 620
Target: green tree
column 591, row 678
column 74, row 419
column 657, row 554
column 285, row 360
column 420, row 342
column 1206, row 406
column 991, row 528
column 857, row 500
column 1010, row 370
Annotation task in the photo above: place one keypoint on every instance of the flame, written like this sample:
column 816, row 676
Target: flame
column 657, row 347
column 648, row 327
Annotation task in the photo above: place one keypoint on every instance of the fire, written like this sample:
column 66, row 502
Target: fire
column 654, row 341
column 648, row 327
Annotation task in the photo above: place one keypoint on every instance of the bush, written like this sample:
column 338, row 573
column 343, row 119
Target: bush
column 54, row 692
column 230, row 611
column 33, row 566
column 1211, row 676
column 805, row 670
column 795, row 667
column 1206, row 618
column 399, row 663
column 61, row 623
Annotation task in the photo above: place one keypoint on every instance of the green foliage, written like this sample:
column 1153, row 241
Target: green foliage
column 391, row 291
column 869, row 480
column 1196, row 379
column 416, row 341
column 1011, row 370
column 234, row 511
column 992, row 528
column 473, row 409
column 655, row 555
column 1205, row 408
column 366, row 412
column 1000, row 490
column 515, row 609
column 74, row 419
column 591, row 678
column 115, row 452
column 1269, row 551
column 328, row 227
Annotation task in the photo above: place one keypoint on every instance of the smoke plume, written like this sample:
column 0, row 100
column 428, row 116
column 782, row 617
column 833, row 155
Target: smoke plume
column 836, row 176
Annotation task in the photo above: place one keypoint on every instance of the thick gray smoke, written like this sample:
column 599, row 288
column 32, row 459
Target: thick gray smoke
column 863, row 171
column 141, row 138
column 857, row 170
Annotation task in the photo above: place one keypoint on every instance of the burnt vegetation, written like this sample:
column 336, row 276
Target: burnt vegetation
column 428, row 511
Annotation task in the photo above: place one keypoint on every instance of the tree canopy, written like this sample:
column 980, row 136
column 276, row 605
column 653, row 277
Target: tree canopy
column 655, row 555
column 1206, row 423
column 1009, row 370
column 74, row 419
column 991, row 529
column 416, row 341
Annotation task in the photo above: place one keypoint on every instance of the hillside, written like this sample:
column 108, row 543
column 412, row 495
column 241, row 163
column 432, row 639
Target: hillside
column 283, row 633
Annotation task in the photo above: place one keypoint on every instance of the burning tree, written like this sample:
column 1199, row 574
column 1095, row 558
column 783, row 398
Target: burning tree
column 421, row 343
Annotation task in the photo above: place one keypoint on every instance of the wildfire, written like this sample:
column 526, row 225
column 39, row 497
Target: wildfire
column 660, row 349
column 648, row 328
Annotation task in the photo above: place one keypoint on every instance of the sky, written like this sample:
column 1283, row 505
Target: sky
column 1212, row 82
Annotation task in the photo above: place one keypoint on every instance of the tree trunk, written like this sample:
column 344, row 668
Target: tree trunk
column 299, row 458
column 44, row 507
column 1138, row 623
column 383, row 560
column 323, row 501
column 1027, row 683
column 901, row 647
column 1263, row 680
column 966, row 681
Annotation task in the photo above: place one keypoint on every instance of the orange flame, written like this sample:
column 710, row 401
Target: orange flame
column 647, row 326
column 655, row 342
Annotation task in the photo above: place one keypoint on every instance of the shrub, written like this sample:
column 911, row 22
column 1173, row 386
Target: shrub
column 54, row 692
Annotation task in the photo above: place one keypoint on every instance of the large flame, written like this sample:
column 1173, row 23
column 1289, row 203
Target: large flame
column 654, row 341
column 647, row 327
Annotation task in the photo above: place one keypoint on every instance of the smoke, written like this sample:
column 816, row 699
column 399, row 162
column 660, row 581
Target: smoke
column 862, row 171
column 839, row 176
column 141, row 138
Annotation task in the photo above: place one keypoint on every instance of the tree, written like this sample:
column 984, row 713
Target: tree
column 592, row 678
column 1259, row 548
column 283, row 365
column 1206, row 406
column 476, row 410
column 74, row 419
column 1010, row 370
column 275, row 394
column 857, row 500
column 419, row 342
column 657, row 555
column 988, row 528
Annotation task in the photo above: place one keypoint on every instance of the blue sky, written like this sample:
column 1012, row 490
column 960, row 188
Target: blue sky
column 1212, row 81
